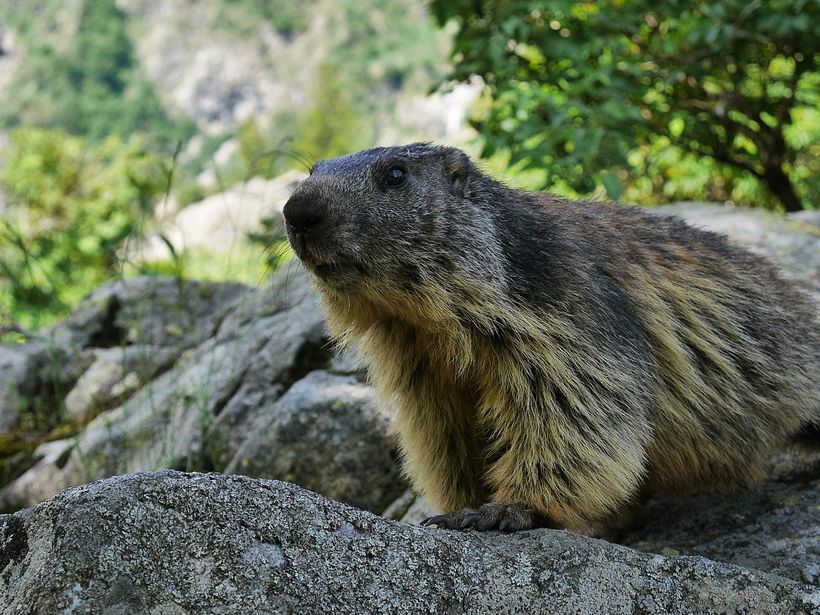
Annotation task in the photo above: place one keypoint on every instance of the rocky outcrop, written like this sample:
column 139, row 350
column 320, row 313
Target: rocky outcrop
column 20, row 380
column 190, row 543
column 355, row 461
column 121, row 337
column 772, row 527
column 217, row 75
column 220, row 65
column 160, row 316
column 247, row 383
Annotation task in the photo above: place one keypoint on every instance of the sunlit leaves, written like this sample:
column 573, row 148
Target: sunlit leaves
column 70, row 206
column 576, row 86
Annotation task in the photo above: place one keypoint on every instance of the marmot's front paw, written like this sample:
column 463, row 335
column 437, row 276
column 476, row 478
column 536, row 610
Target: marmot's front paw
column 489, row 517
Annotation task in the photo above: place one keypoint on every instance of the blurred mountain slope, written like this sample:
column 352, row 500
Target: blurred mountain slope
column 204, row 67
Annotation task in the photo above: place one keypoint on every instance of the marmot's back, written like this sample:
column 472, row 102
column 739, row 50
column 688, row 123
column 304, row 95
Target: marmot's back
column 552, row 358
column 735, row 347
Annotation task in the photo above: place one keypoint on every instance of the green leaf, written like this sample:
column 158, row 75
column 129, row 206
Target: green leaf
column 613, row 186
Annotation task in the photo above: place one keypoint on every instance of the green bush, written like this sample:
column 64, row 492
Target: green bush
column 70, row 207
column 261, row 154
column 330, row 126
column 604, row 93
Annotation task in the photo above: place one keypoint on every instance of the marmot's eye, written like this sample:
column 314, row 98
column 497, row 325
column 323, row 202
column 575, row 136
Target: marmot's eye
column 396, row 176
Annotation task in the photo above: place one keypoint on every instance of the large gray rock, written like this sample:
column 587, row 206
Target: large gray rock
column 33, row 379
column 162, row 312
column 774, row 527
column 326, row 434
column 152, row 310
column 114, row 374
column 174, row 543
column 16, row 365
column 223, row 396
column 90, row 362
column 165, row 423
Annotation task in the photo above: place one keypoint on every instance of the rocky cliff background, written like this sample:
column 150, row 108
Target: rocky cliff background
column 210, row 67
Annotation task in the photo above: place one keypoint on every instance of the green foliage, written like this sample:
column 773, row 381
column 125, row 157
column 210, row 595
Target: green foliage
column 604, row 93
column 331, row 126
column 288, row 18
column 92, row 87
column 259, row 153
column 252, row 148
column 70, row 208
column 388, row 43
column 247, row 261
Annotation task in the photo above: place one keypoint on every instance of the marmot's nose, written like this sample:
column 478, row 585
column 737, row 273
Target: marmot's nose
column 303, row 213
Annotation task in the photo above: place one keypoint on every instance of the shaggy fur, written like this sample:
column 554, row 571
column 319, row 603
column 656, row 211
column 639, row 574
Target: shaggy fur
column 552, row 358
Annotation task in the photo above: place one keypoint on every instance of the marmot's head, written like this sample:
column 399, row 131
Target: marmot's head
column 394, row 219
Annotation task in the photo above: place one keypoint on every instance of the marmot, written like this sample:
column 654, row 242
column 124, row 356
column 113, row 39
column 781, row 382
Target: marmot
column 548, row 360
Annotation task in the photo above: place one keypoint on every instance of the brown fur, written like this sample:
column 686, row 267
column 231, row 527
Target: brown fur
column 552, row 355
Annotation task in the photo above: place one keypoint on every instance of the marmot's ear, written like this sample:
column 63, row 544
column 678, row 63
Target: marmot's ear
column 457, row 167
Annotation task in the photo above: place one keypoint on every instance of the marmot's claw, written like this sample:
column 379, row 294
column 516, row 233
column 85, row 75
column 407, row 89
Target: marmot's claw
column 468, row 520
column 435, row 520
column 488, row 517
column 460, row 520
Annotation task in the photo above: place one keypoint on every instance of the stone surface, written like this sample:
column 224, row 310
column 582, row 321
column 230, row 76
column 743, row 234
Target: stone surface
column 155, row 311
column 222, row 220
column 15, row 365
column 418, row 511
column 178, row 543
column 223, row 396
column 115, row 373
column 41, row 480
column 774, row 527
column 325, row 434
column 33, row 376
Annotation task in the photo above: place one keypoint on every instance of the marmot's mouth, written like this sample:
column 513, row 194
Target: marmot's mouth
column 323, row 268
column 338, row 275
column 326, row 270
column 332, row 272
column 313, row 262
